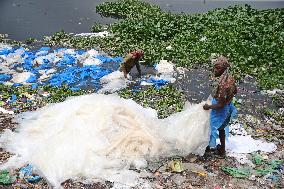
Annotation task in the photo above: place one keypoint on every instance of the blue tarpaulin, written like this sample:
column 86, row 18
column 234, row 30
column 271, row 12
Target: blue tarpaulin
column 5, row 77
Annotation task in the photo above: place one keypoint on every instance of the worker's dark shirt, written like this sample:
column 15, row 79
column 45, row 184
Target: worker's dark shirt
column 129, row 62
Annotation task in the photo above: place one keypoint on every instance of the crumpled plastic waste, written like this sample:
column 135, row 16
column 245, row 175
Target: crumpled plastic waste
column 6, row 178
column 176, row 166
column 13, row 98
column 195, row 168
column 6, row 111
column 57, row 67
column 75, row 75
column 257, row 158
column 5, row 77
column 237, row 172
column 27, row 174
column 158, row 83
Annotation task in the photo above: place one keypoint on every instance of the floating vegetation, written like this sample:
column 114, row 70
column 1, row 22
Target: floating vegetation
column 252, row 39
column 166, row 100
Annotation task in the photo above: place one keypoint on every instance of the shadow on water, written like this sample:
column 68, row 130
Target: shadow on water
column 23, row 19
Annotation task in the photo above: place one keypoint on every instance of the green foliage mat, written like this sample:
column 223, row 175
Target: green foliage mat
column 166, row 100
column 252, row 39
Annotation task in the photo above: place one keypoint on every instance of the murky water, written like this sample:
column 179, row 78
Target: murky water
column 23, row 19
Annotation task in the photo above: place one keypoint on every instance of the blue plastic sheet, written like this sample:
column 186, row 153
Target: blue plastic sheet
column 32, row 79
column 6, row 51
column 5, row 77
column 67, row 71
column 105, row 59
column 75, row 75
column 27, row 174
column 44, row 49
column 34, row 86
column 158, row 83
column 17, row 85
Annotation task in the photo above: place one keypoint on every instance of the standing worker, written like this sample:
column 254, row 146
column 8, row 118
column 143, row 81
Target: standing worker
column 131, row 60
column 222, row 106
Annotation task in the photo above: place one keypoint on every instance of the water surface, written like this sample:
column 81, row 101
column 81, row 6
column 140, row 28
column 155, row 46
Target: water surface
column 22, row 19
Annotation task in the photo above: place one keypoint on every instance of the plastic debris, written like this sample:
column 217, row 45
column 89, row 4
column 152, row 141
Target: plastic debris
column 62, row 66
column 195, row 168
column 158, row 83
column 257, row 159
column 237, row 172
column 2, row 110
column 23, row 77
column 98, row 34
column 164, row 67
column 176, row 166
column 246, row 144
column 5, row 77
column 27, row 174
column 5, row 178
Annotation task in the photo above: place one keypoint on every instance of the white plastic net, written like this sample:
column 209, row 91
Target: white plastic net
column 101, row 136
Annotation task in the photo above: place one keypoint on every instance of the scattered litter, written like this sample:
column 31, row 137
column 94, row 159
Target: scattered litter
column 113, row 82
column 6, row 179
column 158, row 83
column 27, row 174
column 165, row 67
column 176, row 166
column 246, row 144
column 241, row 158
column 257, row 158
column 2, row 110
column 237, row 172
column 24, row 77
column 99, row 34
column 62, row 66
column 5, row 77
column 202, row 39
column 169, row 47
column 195, row 168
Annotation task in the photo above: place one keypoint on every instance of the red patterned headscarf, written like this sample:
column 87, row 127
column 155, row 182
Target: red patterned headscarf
column 138, row 53
column 226, row 87
column 222, row 62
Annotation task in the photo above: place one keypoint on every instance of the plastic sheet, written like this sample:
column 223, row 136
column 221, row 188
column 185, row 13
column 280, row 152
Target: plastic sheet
column 5, row 178
column 158, row 83
column 62, row 63
column 27, row 174
column 5, row 77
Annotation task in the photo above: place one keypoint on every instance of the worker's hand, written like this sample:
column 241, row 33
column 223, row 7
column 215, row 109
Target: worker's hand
column 125, row 75
column 206, row 107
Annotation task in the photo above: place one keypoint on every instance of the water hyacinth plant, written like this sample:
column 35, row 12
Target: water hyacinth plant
column 252, row 39
column 166, row 100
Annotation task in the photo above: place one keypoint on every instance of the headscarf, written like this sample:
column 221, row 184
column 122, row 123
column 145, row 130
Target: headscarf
column 226, row 87
column 138, row 53
column 223, row 62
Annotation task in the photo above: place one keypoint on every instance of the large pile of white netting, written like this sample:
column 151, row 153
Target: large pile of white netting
column 101, row 137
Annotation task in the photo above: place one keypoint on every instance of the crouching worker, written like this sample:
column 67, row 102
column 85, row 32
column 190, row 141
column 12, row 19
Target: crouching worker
column 222, row 106
column 131, row 60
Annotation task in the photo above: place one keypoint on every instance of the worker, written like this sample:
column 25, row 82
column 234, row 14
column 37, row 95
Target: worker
column 131, row 60
column 222, row 106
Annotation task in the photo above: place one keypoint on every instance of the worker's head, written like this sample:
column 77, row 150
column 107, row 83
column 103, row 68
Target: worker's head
column 220, row 65
column 138, row 53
